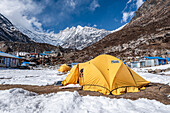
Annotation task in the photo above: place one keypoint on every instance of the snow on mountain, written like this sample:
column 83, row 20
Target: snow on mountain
column 81, row 37
column 74, row 37
column 8, row 32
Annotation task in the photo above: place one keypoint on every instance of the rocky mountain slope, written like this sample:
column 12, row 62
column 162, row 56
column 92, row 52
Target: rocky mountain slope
column 12, row 47
column 148, row 33
column 11, row 40
column 74, row 37
column 8, row 32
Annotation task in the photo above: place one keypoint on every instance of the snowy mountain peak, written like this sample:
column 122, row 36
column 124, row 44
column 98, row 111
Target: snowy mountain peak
column 75, row 37
column 79, row 27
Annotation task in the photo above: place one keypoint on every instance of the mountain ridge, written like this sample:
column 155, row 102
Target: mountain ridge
column 74, row 37
column 8, row 32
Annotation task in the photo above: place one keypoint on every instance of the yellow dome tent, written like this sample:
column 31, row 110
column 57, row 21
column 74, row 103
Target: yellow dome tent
column 106, row 74
column 64, row 68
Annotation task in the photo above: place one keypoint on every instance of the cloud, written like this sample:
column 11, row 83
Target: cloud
column 129, row 1
column 139, row 3
column 94, row 5
column 33, row 14
column 66, row 10
column 130, row 8
column 19, row 11
column 94, row 25
column 115, row 19
column 127, row 15
column 72, row 4
column 127, row 5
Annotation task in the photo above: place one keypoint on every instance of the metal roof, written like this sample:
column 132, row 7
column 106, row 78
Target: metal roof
column 167, row 58
column 8, row 55
column 42, row 54
column 160, row 58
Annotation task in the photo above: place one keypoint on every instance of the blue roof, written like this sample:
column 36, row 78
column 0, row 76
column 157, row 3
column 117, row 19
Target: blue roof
column 25, row 63
column 47, row 52
column 167, row 58
column 159, row 58
column 8, row 55
column 42, row 54
column 74, row 63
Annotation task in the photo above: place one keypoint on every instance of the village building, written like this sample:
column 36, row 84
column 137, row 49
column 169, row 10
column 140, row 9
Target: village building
column 149, row 62
column 21, row 54
column 157, row 60
column 8, row 60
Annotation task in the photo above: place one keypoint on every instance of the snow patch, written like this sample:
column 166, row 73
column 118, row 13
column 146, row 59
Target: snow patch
column 19, row 100
column 157, row 67
column 155, row 78
column 30, row 77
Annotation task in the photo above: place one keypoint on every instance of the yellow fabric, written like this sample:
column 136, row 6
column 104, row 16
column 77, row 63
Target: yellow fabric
column 106, row 74
column 72, row 77
column 64, row 68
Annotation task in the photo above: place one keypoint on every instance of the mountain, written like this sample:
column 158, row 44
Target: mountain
column 8, row 32
column 147, row 34
column 74, row 37
column 11, row 40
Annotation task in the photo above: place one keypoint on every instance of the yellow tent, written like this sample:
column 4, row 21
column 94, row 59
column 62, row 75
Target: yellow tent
column 106, row 74
column 64, row 68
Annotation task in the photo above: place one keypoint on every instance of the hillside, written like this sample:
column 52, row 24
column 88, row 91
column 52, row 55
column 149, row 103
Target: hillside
column 12, row 39
column 8, row 32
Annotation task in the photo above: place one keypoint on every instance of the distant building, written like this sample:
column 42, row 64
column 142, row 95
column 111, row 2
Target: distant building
column 34, row 55
column 21, row 54
column 43, row 55
column 138, row 64
column 168, row 59
column 157, row 60
column 54, row 53
column 149, row 62
column 8, row 60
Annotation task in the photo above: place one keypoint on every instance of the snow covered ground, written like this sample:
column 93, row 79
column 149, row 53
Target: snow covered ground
column 30, row 77
column 155, row 78
column 152, row 68
column 49, row 76
column 21, row 101
column 18, row 100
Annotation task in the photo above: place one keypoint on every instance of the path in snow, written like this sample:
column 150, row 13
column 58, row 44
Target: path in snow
column 22, row 101
column 30, row 77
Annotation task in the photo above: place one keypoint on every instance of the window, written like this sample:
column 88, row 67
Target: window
column 2, row 60
column 14, row 61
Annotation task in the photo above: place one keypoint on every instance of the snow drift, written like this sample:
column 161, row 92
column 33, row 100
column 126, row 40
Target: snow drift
column 21, row 101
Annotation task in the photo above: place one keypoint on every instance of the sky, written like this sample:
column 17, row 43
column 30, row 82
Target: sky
column 56, row 15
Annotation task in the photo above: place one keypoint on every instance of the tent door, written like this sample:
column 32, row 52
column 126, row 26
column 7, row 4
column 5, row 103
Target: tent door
column 81, row 79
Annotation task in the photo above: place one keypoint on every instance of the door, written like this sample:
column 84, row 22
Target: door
column 8, row 62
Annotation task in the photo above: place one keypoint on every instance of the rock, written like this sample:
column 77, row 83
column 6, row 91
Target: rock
column 167, row 70
column 158, row 70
